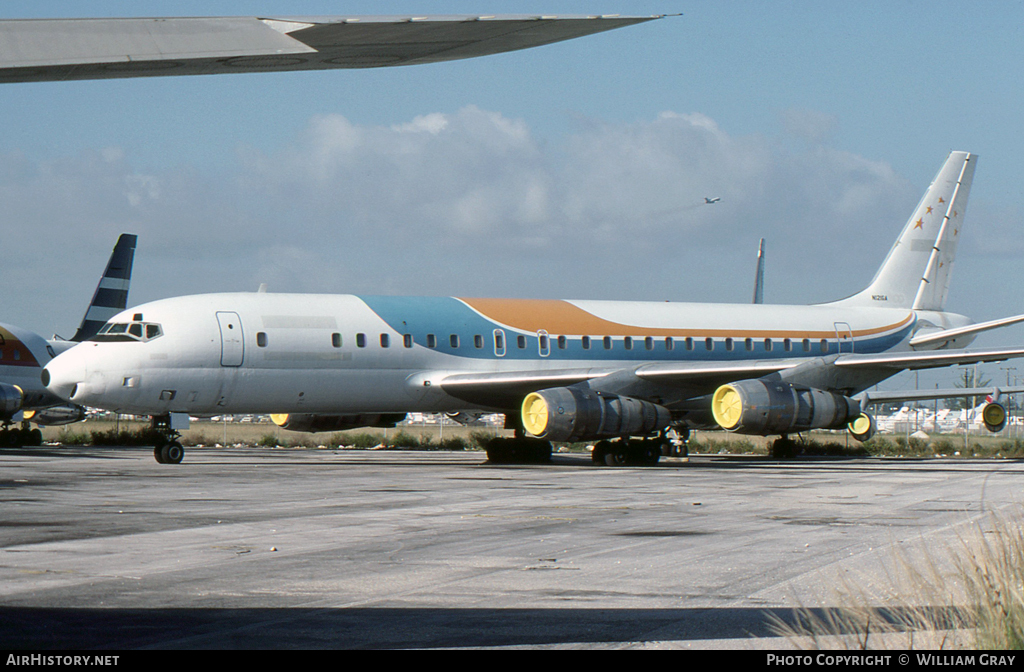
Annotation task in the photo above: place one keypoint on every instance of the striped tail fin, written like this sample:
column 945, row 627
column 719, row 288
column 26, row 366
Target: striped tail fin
column 111, row 296
column 916, row 273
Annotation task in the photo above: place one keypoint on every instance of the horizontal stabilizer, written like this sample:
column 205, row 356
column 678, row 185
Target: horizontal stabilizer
column 951, row 334
column 38, row 50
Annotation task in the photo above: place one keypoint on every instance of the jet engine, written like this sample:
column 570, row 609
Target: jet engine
column 312, row 423
column 580, row 414
column 773, row 407
column 994, row 417
column 55, row 416
column 11, row 399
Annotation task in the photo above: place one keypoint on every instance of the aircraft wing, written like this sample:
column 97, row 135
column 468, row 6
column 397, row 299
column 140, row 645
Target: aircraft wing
column 928, row 360
column 36, row 50
column 877, row 397
column 506, row 389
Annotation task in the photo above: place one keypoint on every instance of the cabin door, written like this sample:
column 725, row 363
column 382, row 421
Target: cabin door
column 844, row 337
column 232, row 348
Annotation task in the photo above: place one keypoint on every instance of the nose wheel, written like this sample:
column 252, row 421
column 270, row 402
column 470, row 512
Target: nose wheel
column 170, row 453
column 168, row 449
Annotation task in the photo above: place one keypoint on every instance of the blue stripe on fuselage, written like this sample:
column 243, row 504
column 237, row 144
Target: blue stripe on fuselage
column 445, row 316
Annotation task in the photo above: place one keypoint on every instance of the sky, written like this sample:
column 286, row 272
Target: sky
column 576, row 170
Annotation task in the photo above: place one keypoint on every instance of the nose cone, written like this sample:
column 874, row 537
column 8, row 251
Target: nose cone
column 64, row 376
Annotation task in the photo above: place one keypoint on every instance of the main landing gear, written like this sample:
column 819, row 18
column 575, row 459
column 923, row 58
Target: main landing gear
column 168, row 448
column 630, row 452
column 22, row 436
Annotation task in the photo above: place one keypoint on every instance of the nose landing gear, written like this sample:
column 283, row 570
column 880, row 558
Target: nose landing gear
column 168, row 449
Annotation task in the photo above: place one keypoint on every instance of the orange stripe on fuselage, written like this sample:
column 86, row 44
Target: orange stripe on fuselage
column 9, row 345
column 563, row 318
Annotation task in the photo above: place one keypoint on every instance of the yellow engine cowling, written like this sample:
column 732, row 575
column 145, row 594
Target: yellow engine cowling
column 994, row 416
column 766, row 408
column 578, row 414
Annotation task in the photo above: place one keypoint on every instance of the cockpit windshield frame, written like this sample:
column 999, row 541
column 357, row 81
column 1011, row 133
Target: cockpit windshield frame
column 123, row 332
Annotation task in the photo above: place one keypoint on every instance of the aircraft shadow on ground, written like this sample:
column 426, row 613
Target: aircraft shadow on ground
column 374, row 628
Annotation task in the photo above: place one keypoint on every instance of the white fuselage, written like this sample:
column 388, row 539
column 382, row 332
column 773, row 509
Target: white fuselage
column 340, row 354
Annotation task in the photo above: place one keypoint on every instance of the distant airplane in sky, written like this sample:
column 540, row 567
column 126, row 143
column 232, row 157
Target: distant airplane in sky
column 23, row 354
column 601, row 371
column 709, row 201
column 37, row 50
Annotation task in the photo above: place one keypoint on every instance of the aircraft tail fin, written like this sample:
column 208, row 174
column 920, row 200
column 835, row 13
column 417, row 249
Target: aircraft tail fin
column 759, row 275
column 917, row 271
column 111, row 296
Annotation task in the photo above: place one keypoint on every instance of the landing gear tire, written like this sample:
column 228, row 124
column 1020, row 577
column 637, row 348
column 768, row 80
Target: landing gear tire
column 784, row 448
column 172, row 453
column 518, row 451
column 617, row 455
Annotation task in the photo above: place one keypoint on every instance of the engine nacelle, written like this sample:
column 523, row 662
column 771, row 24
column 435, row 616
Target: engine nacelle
column 578, row 414
column 11, row 399
column 313, row 423
column 55, row 416
column 772, row 407
column 994, row 417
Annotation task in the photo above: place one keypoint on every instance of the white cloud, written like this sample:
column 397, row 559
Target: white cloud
column 472, row 203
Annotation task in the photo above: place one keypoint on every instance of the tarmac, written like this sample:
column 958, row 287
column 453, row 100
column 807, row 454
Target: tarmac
column 258, row 548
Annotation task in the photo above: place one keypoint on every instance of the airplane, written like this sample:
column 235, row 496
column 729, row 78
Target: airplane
column 23, row 399
column 40, row 50
column 709, row 201
column 562, row 371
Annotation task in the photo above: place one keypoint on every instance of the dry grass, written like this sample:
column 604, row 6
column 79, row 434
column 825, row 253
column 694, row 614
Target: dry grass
column 968, row 595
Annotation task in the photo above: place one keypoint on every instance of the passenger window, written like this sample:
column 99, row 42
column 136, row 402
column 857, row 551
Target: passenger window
column 749, row 344
column 728, row 345
column 607, row 342
column 670, row 344
column 360, row 340
column 689, row 343
column 807, row 345
column 824, row 345
column 709, row 343
column 649, row 343
column 385, row 341
column 454, row 341
column 336, row 340
column 562, row 342
column 586, row 342
column 431, row 341
column 627, row 342
column 768, row 345
column 478, row 342
column 499, row 343
column 407, row 340
column 787, row 345
column 544, row 343
column 261, row 339
column 521, row 342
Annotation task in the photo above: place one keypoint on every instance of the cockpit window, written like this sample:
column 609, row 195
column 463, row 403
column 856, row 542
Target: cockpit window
column 128, row 331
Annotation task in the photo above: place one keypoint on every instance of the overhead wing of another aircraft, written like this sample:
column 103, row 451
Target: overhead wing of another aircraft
column 36, row 50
